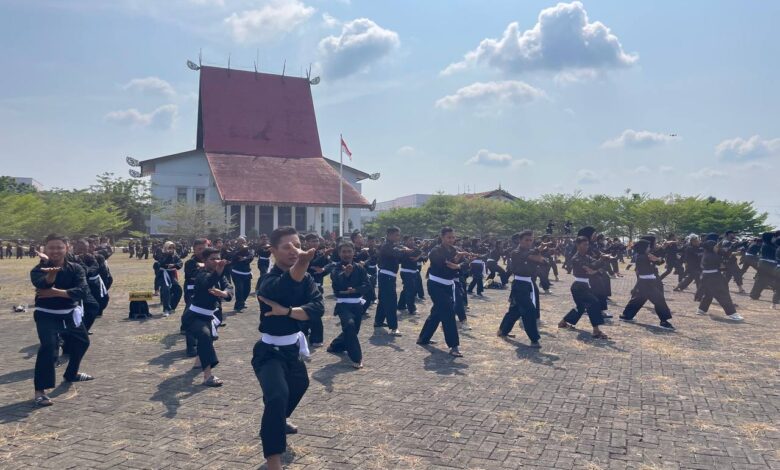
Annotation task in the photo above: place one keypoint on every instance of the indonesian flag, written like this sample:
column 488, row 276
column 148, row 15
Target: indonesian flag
column 345, row 149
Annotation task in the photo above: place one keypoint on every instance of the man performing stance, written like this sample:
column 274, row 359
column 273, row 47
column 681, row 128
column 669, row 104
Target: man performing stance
column 60, row 287
column 583, row 266
column 524, row 297
column 288, row 296
column 647, row 287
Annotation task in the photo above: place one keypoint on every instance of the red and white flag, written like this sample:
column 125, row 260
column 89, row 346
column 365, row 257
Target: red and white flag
column 345, row 149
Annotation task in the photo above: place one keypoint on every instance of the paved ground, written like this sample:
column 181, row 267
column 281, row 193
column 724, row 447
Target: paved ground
column 704, row 397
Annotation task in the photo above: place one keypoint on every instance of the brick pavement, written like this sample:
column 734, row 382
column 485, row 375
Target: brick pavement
column 703, row 397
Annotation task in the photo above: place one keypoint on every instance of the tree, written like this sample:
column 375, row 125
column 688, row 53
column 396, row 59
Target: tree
column 132, row 196
column 9, row 185
column 193, row 221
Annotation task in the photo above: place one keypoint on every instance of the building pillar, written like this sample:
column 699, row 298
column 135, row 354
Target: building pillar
column 242, row 221
column 257, row 219
column 292, row 215
column 317, row 220
column 276, row 217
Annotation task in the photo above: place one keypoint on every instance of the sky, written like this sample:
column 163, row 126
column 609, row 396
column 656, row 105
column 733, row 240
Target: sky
column 599, row 97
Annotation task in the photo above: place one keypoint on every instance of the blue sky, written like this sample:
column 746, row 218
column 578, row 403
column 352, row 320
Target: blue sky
column 436, row 95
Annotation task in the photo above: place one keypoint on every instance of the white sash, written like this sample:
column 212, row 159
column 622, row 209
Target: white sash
column 582, row 279
column 243, row 273
column 103, row 290
column 710, row 271
column 647, row 276
column 208, row 313
column 411, row 271
column 389, row 273
column 446, row 282
column 533, row 288
column 78, row 312
column 350, row 300
column 287, row 340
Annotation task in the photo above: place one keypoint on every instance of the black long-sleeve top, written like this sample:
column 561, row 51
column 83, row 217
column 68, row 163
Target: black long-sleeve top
column 263, row 258
column 204, row 281
column 71, row 278
column 768, row 251
column 645, row 267
column 439, row 257
column 580, row 262
column 390, row 256
column 168, row 259
column 321, row 260
column 520, row 264
column 358, row 280
column 191, row 270
column 242, row 260
column 692, row 257
column 281, row 288
column 407, row 261
column 710, row 260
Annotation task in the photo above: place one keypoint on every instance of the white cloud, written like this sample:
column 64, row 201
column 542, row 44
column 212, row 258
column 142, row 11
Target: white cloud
column 754, row 147
column 638, row 139
column 161, row 118
column 151, row 86
column 361, row 43
column 575, row 76
column 587, row 177
column 407, row 151
column 665, row 169
column 269, row 22
column 218, row 3
column 563, row 38
column 708, row 173
column 329, row 21
column 640, row 170
column 492, row 94
column 498, row 160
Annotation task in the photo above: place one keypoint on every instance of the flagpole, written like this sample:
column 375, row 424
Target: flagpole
column 341, row 185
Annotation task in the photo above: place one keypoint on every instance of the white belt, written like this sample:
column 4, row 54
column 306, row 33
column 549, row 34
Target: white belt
column 78, row 312
column 269, row 263
column 288, row 340
column 350, row 300
column 412, row 271
column 446, row 282
column 750, row 254
column 484, row 266
column 166, row 278
column 533, row 288
column 209, row 313
column 647, row 276
column 490, row 259
column 582, row 279
column 244, row 273
column 103, row 290
column 190, row 287
column 389, row 273
column 768, row 260
column 710, row 271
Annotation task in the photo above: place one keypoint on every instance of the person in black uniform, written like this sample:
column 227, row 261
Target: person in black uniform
column 363, row 257
column 390, row 256
column 713, row 284
column 567, row 227
column 727, row 250
column 550, row 227
column 444, row 269
column 241, row 272
column 288, row 296
column 692, row 259
column 191, row 268
column 493, row 267
column 524, row 297
column 418, row 277
column 200, row 320
column 600, row 282
column 167, row 268
column 409, row 276
column 313, row 329
column 647, row 287
column 350, row 285
column 672, row 259
column 263, row 255
column 60, row 287
column 583, row 266
column 477, row 268
column 767, row 264
column 750, row 257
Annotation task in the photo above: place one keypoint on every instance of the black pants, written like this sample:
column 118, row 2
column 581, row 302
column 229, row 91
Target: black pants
column 477, row 280
column 50, row 326
column 442, row 311
column 198, row 328
column 691, row 275
column 673, row 266
column 371, row 296
column 408, row 293
column 461, row 300
column 242, row 284
column 522, row 307
column 585, row 301
column 494, row 269
column 644, row 290
column 601, row 287
column 733, row 272
column 170, row 296
column 543, row 272
column 388, row 302
column 284, row 380
column 418, row 282
column 765, row 279
column 749, row 261
column 350, row 316
column 714, row 285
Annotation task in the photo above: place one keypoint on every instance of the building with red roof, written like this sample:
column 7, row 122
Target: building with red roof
column 258, row 154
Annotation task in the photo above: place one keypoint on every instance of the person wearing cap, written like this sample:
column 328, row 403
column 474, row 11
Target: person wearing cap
column 713, row 284
column 647, row 287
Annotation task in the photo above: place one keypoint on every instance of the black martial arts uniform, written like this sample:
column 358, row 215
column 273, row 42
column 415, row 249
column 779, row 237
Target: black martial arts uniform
column 59, row 316
column 524, row 297
column 241, row 272
column 647, row 288
column 767, row 265
column 583, row 296
column 409, row 279
column 264, row 259
column 313, row 328
column 477, row 268
column 278, row 367
column 349, row 308
column 492, row 264
column 368, row 261
column 750, row 257
column 389, row 258
column 443, row 292
column 692, row 259
column 200, row 320
column 167, row 269
column 713, row 284
column 89, row 302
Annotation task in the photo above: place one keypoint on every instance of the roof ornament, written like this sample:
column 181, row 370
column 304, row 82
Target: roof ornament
column 132, row 161
column 192, row 65
column 134, row 173
column 228, row 69
column 372, row 208
column 312, row 81
column 257, row 59
column 284, row 67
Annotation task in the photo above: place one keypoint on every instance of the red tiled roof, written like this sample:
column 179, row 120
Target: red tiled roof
column 273, row 180
column 256, row 114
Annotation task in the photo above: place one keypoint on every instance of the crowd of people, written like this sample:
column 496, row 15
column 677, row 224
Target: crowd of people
column 73, row 280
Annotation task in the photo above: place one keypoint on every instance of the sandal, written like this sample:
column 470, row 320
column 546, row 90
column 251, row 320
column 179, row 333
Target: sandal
column 212, row 381
column 357, row 365
column 43, row 401
column 600, row 336
column 80, row 377
column 455, row 353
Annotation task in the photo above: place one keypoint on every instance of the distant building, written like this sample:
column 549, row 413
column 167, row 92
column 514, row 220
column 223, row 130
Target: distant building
column 258, row 154
column 410, row 201
column 28, row 181
column 495, row 195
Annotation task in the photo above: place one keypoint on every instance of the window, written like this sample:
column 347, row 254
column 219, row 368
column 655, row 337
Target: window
column 336, row 227
column 181, row 195
column 285, row 216
column 200, row 196
column 300, row 218
column 266, row 219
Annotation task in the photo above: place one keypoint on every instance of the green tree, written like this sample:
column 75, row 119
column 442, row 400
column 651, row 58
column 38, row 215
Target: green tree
column 187, row 221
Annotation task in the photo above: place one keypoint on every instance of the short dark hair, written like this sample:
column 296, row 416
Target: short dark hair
column 311, row 236
column 582, row 240
column 279, row 233
column 523, row 234
column 218, row 240
column 445, row 230
column 347, row 244
column 208, row 252
column 354, row 235
column 53, row 236
column 393, row 229
column 199, row 242
column 371, row 237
